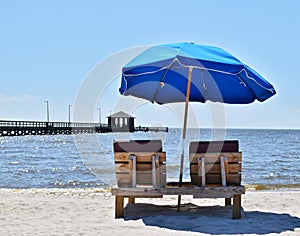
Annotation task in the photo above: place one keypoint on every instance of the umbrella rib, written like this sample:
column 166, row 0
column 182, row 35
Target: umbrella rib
column 162, row 80
column 167, row 69
column 225, row 72
column 148, row 72
column 249, row 77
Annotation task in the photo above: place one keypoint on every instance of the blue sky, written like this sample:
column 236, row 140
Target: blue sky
column 48, row 47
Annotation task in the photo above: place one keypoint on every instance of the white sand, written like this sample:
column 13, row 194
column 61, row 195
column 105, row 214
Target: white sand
column 91, row 212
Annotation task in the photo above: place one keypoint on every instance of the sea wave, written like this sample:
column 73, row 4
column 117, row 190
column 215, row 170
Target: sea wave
column 273, row 187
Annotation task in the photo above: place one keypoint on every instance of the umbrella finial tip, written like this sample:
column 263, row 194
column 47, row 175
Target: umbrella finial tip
column 162, row 84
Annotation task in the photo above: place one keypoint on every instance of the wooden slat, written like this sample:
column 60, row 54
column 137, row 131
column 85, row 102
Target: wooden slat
column 214, row 146
column 125, row 167
column 215, row 157
column 138, row 146
column 216, row 179
column 141, row 156
column 216, row 168
column 145, row 196
column 161, row 170
column 207, row 192
column 142, row 178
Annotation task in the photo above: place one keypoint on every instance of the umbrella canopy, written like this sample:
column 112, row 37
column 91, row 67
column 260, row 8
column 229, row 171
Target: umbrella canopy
column 185, row 72
column 160, row 75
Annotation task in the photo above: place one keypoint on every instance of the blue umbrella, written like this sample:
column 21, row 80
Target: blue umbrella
column 160, row 74
column 188, row 72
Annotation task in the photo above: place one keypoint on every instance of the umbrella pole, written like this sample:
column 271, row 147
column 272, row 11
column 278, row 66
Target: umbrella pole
column 187, row 98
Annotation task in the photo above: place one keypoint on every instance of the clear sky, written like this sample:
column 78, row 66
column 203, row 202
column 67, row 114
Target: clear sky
column 48, row 47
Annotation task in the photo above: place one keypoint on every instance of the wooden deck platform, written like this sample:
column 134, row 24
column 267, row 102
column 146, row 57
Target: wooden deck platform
column 227, row 192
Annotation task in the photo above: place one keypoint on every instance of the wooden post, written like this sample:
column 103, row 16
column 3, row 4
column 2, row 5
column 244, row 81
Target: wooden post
column 236, row 210
column 119, row 205
column 186, row 111
column 131, row 200
column 227, row 201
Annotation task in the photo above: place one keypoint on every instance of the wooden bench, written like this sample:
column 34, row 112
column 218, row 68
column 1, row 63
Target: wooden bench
column 218, row 164
column 132, row 185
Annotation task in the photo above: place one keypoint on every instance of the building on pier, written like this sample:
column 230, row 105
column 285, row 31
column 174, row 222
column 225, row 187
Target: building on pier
column 121, row 122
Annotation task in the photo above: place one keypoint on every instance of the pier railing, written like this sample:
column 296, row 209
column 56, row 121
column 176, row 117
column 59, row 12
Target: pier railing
column 5, row 123
column 16, row 128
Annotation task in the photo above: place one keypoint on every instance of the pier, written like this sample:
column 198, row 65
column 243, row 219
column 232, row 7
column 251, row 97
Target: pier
column 19, row 128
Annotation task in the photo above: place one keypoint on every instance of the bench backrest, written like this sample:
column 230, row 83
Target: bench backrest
column 140, row 162
column 209, row 160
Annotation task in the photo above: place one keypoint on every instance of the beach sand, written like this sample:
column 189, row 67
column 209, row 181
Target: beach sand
column 91, row 212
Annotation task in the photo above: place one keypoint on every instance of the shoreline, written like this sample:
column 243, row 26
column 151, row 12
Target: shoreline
column 90, row 211
column 248, row 189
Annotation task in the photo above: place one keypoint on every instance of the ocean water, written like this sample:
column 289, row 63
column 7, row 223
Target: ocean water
column 271, row 158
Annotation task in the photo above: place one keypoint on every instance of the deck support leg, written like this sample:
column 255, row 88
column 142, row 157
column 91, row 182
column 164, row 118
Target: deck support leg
column 227, row 201
column 119, row 206
column 236, row 210
column 131, row 200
